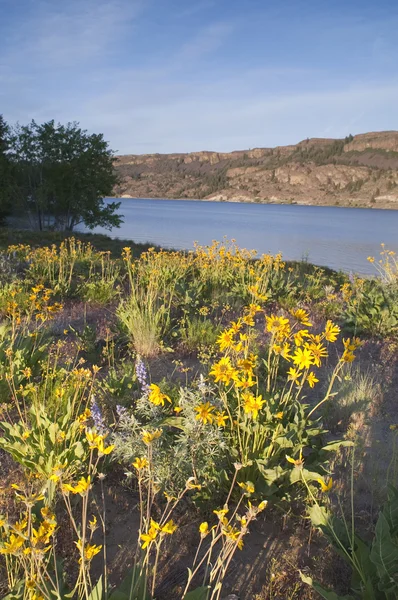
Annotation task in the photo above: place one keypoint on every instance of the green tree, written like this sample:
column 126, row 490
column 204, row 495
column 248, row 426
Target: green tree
column 63, row 175
column 5, row 170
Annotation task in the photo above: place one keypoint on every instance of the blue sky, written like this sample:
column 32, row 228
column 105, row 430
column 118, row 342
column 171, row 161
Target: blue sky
column 180, row 76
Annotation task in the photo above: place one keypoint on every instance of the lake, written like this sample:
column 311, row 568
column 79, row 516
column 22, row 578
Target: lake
column 341, row 238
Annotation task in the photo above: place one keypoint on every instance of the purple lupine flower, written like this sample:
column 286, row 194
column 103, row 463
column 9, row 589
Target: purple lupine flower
column 97, row 417
column 121, row 411
column 142, row 375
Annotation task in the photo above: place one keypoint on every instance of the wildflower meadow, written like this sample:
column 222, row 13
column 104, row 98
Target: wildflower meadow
column 189, row 425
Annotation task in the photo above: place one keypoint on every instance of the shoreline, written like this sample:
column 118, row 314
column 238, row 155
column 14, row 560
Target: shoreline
column 231, row 201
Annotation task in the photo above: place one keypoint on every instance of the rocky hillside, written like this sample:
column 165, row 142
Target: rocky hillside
column 359, row 170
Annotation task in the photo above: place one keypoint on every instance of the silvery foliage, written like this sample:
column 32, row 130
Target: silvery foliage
column 186, row 447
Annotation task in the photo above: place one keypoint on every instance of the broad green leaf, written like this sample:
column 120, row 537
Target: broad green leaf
column 199, row 594
column 319, row 516
column 52, row 431
column 97, row 592
column 284, row 442
column 327, row 594
column 390, row 509
column 384, row 555
column 297, row 474
column 332, row 446
column 133, row 587
column 79, row 450
column 178, row 422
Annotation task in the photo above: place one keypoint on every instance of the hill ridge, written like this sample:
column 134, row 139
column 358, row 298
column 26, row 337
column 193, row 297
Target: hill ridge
column 359, row 170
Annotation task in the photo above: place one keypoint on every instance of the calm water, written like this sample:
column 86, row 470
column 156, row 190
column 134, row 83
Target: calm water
column 341, row 238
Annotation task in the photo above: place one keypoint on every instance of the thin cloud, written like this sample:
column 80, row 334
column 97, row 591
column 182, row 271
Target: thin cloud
column 206, row 42
column 155, row 82
column 66, row 34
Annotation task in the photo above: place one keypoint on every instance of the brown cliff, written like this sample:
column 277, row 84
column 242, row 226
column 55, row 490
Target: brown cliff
column 359, row 170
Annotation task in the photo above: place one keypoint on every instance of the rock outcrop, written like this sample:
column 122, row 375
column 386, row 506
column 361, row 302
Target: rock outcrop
column 359, row 170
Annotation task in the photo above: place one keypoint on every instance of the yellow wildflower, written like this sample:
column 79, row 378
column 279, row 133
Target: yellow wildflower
column 84, row 416
column 204, row 529
column 252, row 404
column 223, row 371
column 311, row 379
column 80, row 488
column 149, row 537
column 236, row 326
column 234, row 535
column 247, row 364
column 283, row 350
column 13, row 546
column 245, row 382
column 148, row 437
column 352, row 344
column 140, row 463
column 205, row 411
column 221, row 419
column 90, row 550
column 226, row 339
column 325, row 486
column 248, row 320
column 156, row 396
column 296, row 462
column 169, row 528
column 331, row 331
column 302, row 317
column 247, row 487
column 221, row 513
column 96, row 442
column 169, row 497
column 303, row 358
column 278, row 325
column 318, row 351
column 254, row 308
column 348, row 356
column 293, row 375
column 93, row 438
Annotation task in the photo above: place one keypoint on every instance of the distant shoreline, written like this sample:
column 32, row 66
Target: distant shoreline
column 266, row 203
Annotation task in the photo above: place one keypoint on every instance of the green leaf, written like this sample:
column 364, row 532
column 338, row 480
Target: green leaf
column 199, row 594
column 327, row 594
column 270, row 475
column 133, row 582
column 97, row 592
column 297, row 474
column 178, row 422
column 319, row 516
column 52, row 431
column 284, row 442
column 331, row 446
column 79, row 450
column 390, row 509
column 17, row 593
column 384, row 555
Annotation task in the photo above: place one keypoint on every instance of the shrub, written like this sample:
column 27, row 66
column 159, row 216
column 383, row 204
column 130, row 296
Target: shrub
column 374, row 564
column 146, row 313
column 267, row 424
